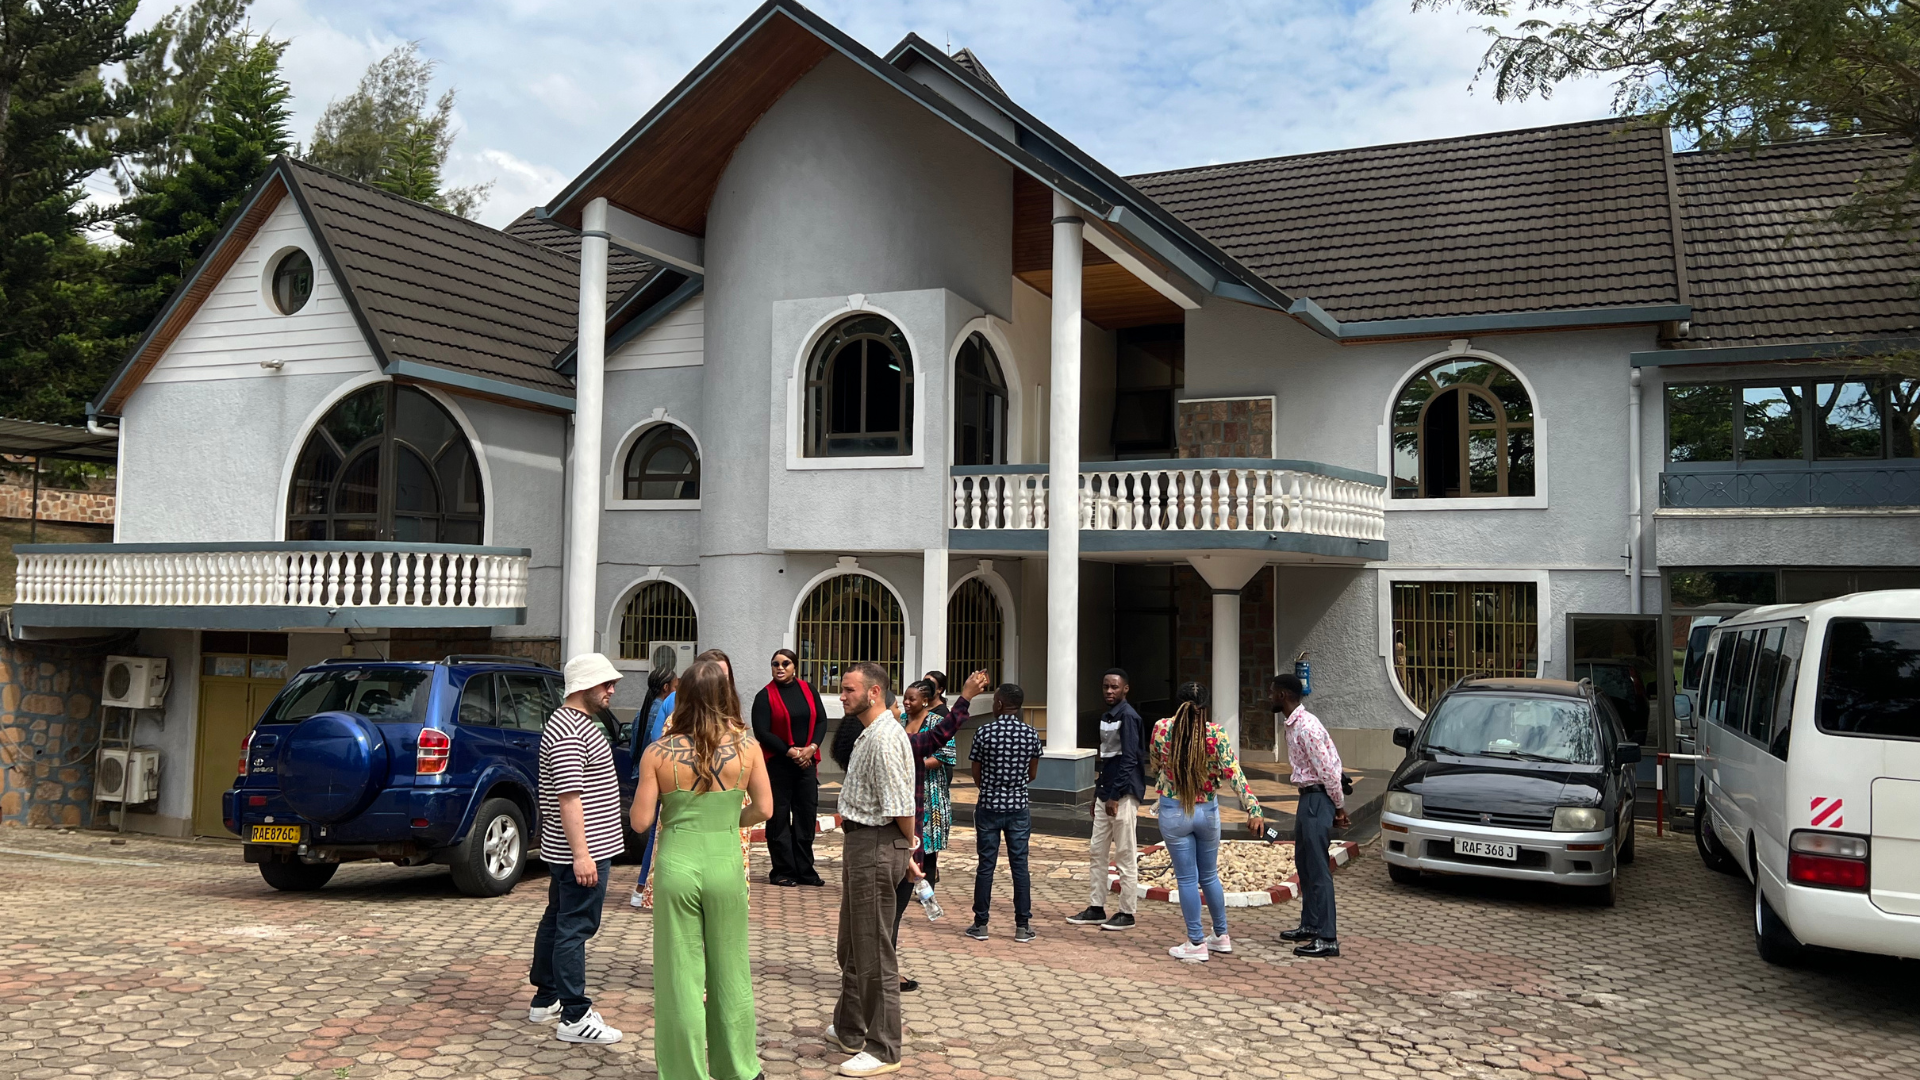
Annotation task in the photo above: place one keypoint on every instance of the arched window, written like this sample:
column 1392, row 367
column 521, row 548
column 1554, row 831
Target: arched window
column 979, row 405
column 860, row 391
column 975, row 626
column 387, row 463
column 1444, row 631
column 657, row 611
column 849, row 619
column 1462, row 428
column 663, row 464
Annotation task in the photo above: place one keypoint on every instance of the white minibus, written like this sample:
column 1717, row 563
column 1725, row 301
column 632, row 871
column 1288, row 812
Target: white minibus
column 1809, row 727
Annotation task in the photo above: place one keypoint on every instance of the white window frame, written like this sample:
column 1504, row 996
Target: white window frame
column 909, row 647
column 796, row 395
column 617, row 467
column 612, row 638
column 1462, row 349
column 990, row 328
column 1009, row 623
column 1385, row 579
column 272, row 264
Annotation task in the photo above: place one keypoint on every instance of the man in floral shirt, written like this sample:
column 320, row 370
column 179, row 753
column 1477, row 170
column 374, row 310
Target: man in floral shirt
column 1316, row 773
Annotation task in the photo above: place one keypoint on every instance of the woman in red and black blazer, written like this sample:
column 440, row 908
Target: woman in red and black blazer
column 788, row 718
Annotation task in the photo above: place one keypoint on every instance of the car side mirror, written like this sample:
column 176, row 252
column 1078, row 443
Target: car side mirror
column 1683, row 708
column 1403, row 737
column 1627, row 753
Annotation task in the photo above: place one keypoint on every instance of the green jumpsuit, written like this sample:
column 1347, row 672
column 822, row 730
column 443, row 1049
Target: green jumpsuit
column 703, row 990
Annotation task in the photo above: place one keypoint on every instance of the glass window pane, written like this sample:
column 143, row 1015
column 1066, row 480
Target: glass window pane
column 1849, row 419
column 1513, row 397
column 884, row 380
column 476, row 702
column 1520, row 462
column 1699, row 423
column 1483, row 461
column 1740, row 683
column 1455, row 372
column 358, row 418
column 844, row 389
column 313, row 477
column 1480, row 410
column 1770, row 423
column 1870, row 679
column 422, row 422
column 359, row 491
column 1766, row 671
column 415, row 491
column 1903, row 418
column 1406, row 464
column 1698, row 588
column 1412, row 400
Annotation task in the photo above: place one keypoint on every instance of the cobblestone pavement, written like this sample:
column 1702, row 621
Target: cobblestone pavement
column 170, row 959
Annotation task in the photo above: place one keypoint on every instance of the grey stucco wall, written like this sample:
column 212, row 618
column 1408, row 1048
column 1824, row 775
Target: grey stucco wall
column 524, row 450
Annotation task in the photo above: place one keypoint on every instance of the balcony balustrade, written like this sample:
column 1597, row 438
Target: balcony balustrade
column 1791, row 485
column 1194, row 495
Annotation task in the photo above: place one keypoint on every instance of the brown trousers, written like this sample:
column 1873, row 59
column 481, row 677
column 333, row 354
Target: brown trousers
column 873, row 860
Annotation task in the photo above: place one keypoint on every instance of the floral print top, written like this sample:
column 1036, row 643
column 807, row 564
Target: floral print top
column 1222, row 765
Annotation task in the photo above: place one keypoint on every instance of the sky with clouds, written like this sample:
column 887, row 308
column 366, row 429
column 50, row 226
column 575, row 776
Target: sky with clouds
column 544, row 85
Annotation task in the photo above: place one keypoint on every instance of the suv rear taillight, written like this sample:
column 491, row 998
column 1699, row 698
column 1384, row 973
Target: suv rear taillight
column 246, row 745
column 434, row 746
column 1827, row 860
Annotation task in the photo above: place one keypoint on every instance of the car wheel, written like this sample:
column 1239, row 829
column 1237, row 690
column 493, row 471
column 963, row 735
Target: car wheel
column 295, row 876
column 1404, row 875
column 1712, row 852
column 490, row 860
column 1609, row 894
column 1626, row 853
column 1771, row 938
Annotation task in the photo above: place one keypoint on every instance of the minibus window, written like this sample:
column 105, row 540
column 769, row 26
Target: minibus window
column 1788, row 675
column 1722, row 664
column 1870, row 679
column 1766, row 670
column 1741, row 680
column 1696, row 652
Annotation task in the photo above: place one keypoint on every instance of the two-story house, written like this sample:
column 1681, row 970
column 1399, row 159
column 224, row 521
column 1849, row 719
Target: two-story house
column 810, row 355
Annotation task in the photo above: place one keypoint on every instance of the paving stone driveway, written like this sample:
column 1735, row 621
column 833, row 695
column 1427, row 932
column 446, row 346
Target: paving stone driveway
column 175, row 960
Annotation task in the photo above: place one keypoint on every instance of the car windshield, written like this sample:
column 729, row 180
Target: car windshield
column 376, row 693
column 1522, row 728
column 1870, row 678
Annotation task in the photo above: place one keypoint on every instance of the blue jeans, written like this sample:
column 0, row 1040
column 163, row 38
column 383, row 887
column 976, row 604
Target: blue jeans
column 560, row 945
column 987, row 827
column 1312, row 831
column 1193, row 840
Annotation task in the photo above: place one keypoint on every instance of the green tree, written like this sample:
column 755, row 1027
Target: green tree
column 386, row 133
column 56, row 116
column 173, row 74
column 176, row 212
column 1731, row 72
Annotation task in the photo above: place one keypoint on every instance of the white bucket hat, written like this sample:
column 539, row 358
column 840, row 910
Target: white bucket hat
column 590, row 670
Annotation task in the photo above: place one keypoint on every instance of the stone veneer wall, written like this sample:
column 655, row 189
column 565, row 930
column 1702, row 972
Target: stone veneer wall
column 1194, row 651
column 1225, row 428
column 79, row 507
column 49, row 729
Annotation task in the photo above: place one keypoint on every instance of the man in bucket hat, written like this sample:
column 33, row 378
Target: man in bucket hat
column 580, row 833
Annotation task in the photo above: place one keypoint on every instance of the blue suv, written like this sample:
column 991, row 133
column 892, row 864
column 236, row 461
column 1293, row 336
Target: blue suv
column 407, row 762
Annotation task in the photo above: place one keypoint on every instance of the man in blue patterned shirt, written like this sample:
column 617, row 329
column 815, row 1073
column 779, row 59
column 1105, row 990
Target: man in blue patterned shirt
column 1006, row 758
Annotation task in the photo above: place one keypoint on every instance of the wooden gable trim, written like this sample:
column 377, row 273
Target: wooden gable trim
column 185, row 304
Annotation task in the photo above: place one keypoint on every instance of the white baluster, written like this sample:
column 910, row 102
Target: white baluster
column 956, row 502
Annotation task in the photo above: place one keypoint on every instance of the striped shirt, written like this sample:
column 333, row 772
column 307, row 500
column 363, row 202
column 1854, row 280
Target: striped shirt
column 575, row 758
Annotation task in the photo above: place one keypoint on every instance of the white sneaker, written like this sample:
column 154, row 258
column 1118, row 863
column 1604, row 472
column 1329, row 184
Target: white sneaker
column 541, row 1014
column 865, row 1064
column 834, row 1038
column 588, row 1029
column 1190, row 953
column 1219, row 943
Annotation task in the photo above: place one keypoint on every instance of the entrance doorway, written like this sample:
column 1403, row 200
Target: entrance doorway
column 1147, row 615
column 1620, row 654
column 239, row 675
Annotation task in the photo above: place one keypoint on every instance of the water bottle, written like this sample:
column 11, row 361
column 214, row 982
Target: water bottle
column 923, row 892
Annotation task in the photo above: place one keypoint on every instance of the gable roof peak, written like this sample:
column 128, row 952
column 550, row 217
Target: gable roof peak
column 971, row 64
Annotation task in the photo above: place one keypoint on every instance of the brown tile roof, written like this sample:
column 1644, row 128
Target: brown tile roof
column 1567, row 217
column 624, row 269
column 438, row 289
column 1765, row 266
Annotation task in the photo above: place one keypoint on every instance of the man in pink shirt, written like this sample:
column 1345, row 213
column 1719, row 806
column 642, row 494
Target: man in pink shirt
column 1322, row 808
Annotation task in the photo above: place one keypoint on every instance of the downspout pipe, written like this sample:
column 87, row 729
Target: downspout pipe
column 1633, row 491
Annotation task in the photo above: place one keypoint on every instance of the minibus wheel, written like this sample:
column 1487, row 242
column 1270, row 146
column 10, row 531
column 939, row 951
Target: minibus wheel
column 1771, row 937
column 1712, row 851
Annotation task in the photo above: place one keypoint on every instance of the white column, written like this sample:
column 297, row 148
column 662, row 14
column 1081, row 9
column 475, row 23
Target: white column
column 933, row 618
column 1063, row 510
column 1227, row 574
column 583, row 501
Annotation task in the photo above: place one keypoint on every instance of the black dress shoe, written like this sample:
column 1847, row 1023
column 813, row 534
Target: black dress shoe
column 1318, row 947
column 909, row 985
column 812, row 881
column 783, row 882
column 1296, row 934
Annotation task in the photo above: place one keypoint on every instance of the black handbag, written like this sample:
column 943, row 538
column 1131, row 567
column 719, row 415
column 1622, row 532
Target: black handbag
column 1346, row 784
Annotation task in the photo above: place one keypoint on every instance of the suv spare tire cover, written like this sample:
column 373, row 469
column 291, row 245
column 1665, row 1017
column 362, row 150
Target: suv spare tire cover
column 332, row 766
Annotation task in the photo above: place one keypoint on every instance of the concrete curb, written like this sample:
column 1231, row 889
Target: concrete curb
column 1339, row 854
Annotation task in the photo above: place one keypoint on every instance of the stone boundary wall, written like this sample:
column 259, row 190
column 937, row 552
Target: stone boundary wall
column 77, row 507
column 50, row 729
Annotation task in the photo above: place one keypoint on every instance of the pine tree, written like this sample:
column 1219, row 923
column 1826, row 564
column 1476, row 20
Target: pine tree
column 174, row 215
column 364, row 135
column 56, row 302
column 411, row 169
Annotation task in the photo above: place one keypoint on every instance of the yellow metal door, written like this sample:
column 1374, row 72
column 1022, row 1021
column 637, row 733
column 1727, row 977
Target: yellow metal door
column 226, row 715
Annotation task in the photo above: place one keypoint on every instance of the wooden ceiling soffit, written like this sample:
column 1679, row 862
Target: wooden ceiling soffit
column 1111, row 297
column 669, row 174
column 186, row 303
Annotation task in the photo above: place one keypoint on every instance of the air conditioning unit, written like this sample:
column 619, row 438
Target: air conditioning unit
column 127, row 776
column 672, row 655
column 135, row 682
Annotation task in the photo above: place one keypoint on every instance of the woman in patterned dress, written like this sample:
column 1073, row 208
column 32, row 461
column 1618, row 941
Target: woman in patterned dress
column 1193, row 757
column 920, row 700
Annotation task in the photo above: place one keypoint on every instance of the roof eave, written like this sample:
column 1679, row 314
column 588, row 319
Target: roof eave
column 1563, row 319
column 1760, row 354
column 636, row 323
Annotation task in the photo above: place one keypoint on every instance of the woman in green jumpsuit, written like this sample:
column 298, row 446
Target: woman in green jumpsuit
column 708, row 780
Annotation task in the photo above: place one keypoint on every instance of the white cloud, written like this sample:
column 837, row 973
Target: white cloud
column 545, row 85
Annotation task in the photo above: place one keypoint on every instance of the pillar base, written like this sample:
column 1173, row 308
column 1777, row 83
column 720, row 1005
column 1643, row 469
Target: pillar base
column 1066, row 776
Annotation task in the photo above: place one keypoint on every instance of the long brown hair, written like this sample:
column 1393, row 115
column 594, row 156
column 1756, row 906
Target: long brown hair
column 707, row 712
column 1187, row 765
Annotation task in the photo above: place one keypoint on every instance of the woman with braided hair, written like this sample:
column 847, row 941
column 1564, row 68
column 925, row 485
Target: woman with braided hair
column 1192, row 757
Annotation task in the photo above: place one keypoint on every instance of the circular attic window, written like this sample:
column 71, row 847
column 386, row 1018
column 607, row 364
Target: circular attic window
column 292, row 282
